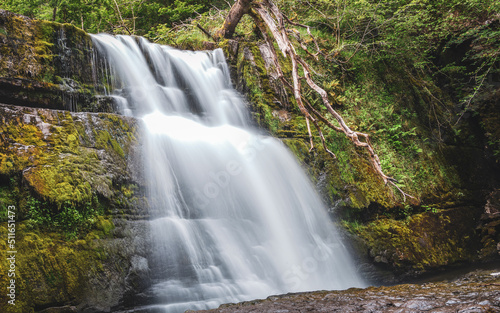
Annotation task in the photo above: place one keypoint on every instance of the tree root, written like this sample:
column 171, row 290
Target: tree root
column 269, row 19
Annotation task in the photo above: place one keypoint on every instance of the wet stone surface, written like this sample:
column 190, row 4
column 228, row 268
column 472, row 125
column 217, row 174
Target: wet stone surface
column 478, row 291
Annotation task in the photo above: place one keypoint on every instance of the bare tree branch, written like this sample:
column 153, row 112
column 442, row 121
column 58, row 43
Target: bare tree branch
column 205, row 31
column 121, row 19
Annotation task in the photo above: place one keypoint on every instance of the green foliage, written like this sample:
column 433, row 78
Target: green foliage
column 353, row 226
column 406, row 211
column 457, row 40
column 180, row 10
column 187, row 35
column 8, row 195
column 431, row 209
column 114, row 16
column 70, row 218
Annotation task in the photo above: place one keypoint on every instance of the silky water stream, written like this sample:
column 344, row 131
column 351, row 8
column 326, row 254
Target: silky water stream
column 234, row 217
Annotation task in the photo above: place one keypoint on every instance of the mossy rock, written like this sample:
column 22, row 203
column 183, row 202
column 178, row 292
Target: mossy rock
column 66, row 157
column 424, row 242
column 53, row 272
column 77, row 202
column 61, row 174
column 48, row 65
column 49, row 270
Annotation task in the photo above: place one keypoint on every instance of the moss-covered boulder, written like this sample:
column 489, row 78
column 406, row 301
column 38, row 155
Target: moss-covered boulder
column 55, row 273
column 68, row 157
column 424, row 241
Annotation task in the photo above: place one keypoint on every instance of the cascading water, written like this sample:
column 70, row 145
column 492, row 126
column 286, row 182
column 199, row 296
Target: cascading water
column 234, row 216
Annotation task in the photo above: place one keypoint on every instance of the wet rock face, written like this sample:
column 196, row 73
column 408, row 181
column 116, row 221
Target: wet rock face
column 475, row 292
column 48, row 65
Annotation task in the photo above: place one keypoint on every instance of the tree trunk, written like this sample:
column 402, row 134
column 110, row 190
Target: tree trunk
column 240, row 8
column 54, row 13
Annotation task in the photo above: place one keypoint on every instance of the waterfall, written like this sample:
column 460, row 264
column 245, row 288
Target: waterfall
column 234, row 217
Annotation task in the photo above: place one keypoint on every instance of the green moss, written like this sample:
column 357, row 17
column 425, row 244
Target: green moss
column 33, row 50
column 105, row 141
column 49, row 270
column 105, row 225
column 25, row 134
column 61, row 165
column 128, row 191
column 298, row 148
column 20, row 146
column 423, row 241
column 252, row 68
column 29, row 49
column 61, row 183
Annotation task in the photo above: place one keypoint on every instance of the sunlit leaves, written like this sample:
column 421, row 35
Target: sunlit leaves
column 113, row 16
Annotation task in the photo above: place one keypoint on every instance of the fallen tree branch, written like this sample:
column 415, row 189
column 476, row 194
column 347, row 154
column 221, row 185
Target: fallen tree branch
column 121, row 18
column 205, row 32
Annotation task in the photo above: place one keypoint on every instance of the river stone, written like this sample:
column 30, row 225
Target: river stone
column 478, row 291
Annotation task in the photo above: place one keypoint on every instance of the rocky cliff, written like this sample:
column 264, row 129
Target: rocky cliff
column 75, row 180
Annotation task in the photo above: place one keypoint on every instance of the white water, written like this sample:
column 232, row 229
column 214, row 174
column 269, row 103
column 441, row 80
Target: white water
column 235, row 217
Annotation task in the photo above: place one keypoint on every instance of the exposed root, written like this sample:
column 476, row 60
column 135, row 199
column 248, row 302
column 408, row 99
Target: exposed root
column 271, row 22
column 401, row 191
column 310, row 134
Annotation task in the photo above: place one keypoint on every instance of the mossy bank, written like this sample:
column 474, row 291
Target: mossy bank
column 448, row 171
column 75, row 181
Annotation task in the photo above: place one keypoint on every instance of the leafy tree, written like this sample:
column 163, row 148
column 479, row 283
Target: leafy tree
column 113, row 16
